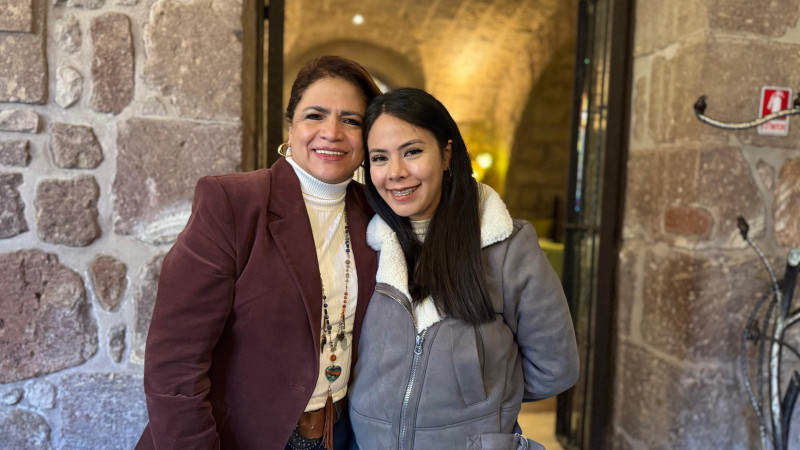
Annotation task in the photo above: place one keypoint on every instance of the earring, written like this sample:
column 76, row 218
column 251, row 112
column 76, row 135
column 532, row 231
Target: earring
column 284, row 150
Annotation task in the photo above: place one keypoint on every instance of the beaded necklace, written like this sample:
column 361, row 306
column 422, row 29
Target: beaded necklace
column 333, row 371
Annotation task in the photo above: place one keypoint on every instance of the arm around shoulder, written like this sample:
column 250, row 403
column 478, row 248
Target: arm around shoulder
column 195, row 295
column 544, row 329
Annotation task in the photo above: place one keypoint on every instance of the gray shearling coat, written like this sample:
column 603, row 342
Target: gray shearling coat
column 426, row 382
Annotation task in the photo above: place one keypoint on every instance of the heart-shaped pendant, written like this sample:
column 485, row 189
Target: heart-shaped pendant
column 333, row 372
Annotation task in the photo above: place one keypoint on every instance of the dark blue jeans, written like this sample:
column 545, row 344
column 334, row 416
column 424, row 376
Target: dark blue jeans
column 342, row 432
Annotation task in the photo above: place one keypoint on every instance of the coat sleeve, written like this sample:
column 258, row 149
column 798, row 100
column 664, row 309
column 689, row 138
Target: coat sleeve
column 535, row 304
column 195, row 295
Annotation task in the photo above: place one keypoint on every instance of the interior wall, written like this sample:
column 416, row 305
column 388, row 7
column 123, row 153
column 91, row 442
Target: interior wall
column 687, row 281
column 536, row 183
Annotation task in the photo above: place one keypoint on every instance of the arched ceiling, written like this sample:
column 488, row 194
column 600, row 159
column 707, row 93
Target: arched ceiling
column 479, row 57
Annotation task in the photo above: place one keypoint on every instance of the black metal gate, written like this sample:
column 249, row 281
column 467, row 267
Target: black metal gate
column 594, row 216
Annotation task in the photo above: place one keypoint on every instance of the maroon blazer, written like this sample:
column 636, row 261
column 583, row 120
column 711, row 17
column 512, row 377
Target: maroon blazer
column 232, row 353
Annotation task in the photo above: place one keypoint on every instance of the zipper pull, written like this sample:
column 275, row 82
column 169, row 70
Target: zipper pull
column 418, row 347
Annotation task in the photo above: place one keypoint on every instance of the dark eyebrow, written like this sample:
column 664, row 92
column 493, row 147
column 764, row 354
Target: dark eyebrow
column 328, row 111
column 400, row 148
column 411, row 142
column 317, row 108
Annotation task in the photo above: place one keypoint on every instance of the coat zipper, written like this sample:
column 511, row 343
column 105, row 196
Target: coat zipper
column 407, row 398
column 407, row 308
column 415, row 362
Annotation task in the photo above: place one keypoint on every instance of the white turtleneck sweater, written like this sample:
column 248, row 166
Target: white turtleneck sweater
column 420, row 228
column 325, row 206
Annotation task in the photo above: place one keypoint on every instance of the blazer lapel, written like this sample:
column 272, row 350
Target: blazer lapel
column 294, row 238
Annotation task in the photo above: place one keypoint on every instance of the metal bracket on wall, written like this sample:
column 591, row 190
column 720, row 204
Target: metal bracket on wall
column 700, row 109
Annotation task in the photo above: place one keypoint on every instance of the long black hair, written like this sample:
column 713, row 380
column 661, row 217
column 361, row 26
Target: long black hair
column 447, row 265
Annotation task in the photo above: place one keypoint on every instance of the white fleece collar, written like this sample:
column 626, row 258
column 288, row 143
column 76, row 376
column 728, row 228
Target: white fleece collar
column 496, row 225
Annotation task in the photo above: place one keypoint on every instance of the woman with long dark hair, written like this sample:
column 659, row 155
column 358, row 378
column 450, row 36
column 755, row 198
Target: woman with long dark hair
column 468, row 319
column 260, row 300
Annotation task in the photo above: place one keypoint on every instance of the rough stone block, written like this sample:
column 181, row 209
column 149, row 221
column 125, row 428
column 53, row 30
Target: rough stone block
column 68, row 34
column 69, row 86
column 20, row 429
column 75, row 146
column 153, row 190
column 627, row 291
column 730, row 73
column 88, row 4
column 17, row 15
column 667, row 23
column 145, row 299
column 14, row 153
column 108, row 277
column 770, row 19
column 66, row 211
column 621, row 441
column 194, row 56
column 102, row 411
column 47, row 325
column 681, row 20
column 639, row 109
column 12, row 396
column 715, row 182
column 23, row 64
column 787, row 204
column 112, row 64
column 644, row 198
column 153, row 107
column 19, row 120
column 116, row 342
column 696, row 306
column 12, row 217
column 689, row 221
column 668, row 405
column 767, row 174
column 40, row 394
column 726, row 186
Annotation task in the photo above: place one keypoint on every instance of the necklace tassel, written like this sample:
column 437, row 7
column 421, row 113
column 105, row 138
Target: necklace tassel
column 327, row 434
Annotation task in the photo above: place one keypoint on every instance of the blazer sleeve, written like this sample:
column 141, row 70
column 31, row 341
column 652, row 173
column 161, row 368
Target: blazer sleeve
column 538, row 309
column 195, row 296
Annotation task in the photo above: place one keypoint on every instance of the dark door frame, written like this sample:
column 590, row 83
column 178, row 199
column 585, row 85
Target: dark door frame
column 268, row 92
column 595, row 430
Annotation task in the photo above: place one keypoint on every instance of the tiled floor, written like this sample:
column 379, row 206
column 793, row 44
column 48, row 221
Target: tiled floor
column 538, row 422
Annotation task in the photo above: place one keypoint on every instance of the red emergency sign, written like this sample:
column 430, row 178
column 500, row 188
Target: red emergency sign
column 774, row 99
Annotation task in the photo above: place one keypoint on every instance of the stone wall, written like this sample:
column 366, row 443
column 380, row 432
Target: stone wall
column 110, row 110
column 536, row 183
column 687, row 281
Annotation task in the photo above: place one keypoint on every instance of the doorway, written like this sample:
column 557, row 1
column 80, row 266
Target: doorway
column 539, row 90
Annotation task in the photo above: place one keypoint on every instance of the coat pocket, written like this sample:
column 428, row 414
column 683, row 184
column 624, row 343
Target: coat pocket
column 467, row 352
column 501, row 441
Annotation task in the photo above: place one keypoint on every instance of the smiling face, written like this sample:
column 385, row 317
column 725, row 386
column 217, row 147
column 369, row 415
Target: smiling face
column 325, row 132
column 406, row 166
